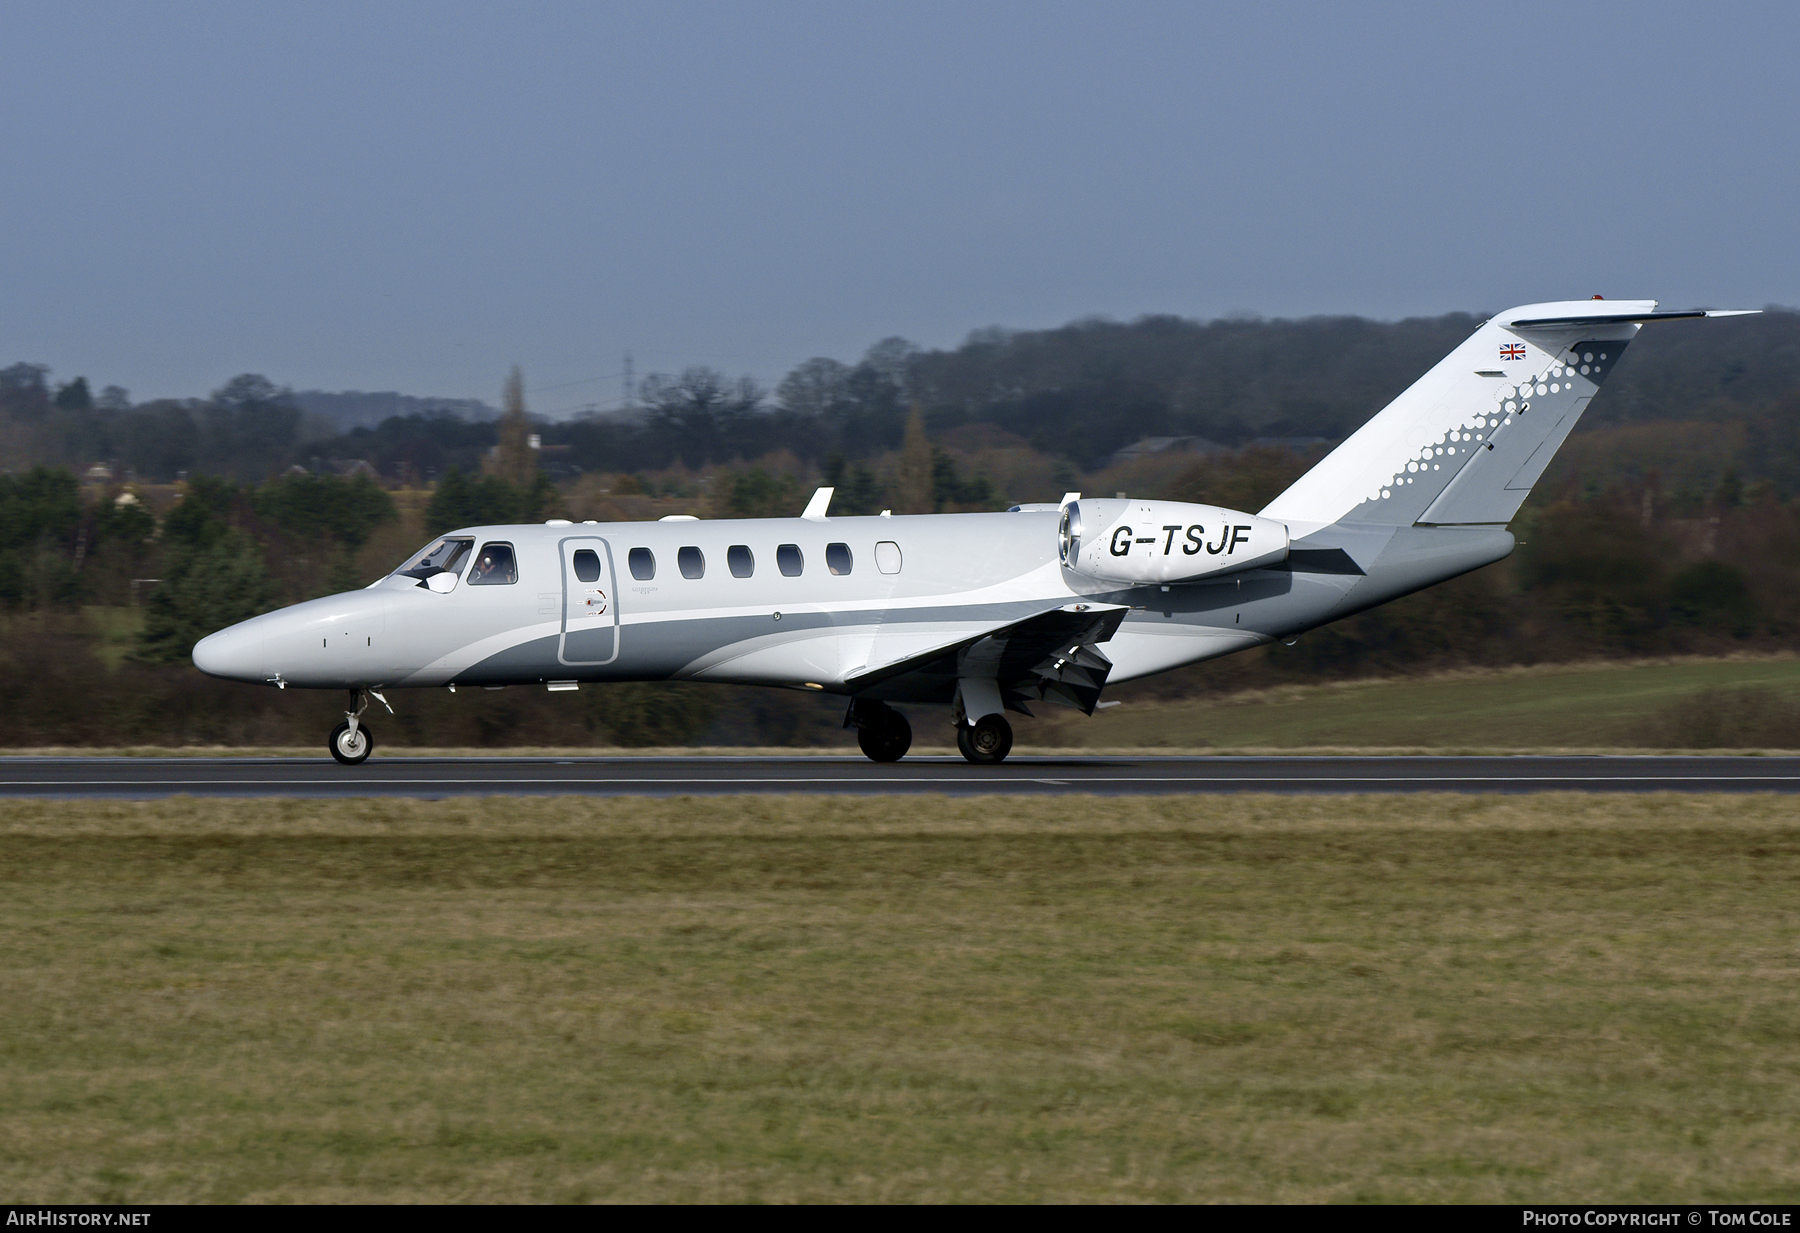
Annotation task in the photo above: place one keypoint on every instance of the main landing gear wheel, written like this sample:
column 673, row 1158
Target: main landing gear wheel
column 887, row 740
column 987, row 741
column 351, row 748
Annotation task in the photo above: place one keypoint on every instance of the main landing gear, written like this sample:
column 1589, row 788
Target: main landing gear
column 885, row 736
column 351, row 741
column 985, row 742
column 982, row 732
column 881, row 731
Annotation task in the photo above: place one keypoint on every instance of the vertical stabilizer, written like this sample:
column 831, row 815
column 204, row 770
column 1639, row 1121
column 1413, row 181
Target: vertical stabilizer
column 1465, row 443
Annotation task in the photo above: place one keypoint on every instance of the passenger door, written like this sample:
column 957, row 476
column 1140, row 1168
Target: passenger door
column 590, row 627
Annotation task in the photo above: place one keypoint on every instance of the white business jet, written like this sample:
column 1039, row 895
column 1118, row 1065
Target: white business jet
column 984, row 613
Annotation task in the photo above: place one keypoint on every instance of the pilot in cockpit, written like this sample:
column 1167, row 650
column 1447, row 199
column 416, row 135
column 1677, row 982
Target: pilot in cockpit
column 495, row 565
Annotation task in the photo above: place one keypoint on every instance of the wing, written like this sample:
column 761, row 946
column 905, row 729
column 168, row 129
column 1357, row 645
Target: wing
column 1051, row 657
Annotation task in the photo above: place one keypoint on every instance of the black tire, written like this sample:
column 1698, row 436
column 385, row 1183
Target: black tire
column 987, row 741
column 887, row 741
column 347, row 752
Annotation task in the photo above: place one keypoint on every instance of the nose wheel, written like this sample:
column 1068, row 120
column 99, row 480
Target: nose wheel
column 985, row 742
column 351, row 742
column 351, row 746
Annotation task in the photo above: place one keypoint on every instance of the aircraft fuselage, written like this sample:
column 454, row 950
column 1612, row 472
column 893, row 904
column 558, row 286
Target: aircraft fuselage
column 859, row 593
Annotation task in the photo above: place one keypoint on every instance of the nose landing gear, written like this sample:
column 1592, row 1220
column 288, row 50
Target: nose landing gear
column 351, row 745
column 351, row 742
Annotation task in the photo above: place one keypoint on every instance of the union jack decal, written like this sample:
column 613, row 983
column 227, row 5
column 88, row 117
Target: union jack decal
column 1512, row 351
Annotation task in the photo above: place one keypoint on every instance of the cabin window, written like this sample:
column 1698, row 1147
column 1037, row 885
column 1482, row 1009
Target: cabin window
column 887, row 557
column 837, row 558
column 494, row 566
column 447, row 556
column 740, row 560
column 789, row 561
column 643, row 564
column 692, row 562
column 587, row 564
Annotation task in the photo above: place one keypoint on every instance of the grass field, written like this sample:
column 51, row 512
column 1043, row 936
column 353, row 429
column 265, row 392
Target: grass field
column 1432, row 998
column 1604, row 705
column 1598, row 707
column 114, row 631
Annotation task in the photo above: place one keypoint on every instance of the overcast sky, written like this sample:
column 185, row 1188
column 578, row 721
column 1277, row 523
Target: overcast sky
column 415, row 197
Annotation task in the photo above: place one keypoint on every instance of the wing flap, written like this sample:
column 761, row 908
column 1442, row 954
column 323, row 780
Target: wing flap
column 1052, row 657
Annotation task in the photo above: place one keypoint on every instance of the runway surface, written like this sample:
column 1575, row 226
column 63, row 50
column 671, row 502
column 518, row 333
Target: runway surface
column 148, row 778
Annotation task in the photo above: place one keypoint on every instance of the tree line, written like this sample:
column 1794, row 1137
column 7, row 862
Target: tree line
column 1077, row 393
column 1625, row 570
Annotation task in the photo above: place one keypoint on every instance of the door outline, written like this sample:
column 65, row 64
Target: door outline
column 565, row 552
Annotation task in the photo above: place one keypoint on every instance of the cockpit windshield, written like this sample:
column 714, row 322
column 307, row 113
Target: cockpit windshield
column 446, row 556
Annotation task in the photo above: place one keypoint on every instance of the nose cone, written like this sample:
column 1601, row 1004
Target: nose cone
column 235, row 654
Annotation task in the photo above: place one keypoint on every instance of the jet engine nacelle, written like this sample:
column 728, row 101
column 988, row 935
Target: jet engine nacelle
column 1135, row 542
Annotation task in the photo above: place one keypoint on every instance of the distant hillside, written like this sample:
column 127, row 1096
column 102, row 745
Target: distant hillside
column 1088, row 388
column 355, row 409
column 1085, row 396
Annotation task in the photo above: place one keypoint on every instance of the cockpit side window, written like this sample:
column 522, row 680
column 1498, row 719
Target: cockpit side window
column 494, row 566
column 446, row 556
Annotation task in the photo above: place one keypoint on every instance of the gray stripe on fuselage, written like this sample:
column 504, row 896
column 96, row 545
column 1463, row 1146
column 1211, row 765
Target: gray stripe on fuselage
column 531, row 660
column 662, row 650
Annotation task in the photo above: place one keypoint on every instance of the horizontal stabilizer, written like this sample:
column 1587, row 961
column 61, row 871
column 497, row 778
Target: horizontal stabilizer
column 1557, row 323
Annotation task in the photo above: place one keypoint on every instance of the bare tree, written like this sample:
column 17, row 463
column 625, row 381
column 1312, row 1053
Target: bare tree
column 913, row 483
column 703, row 416
column 514, row 460
column 815, row 388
